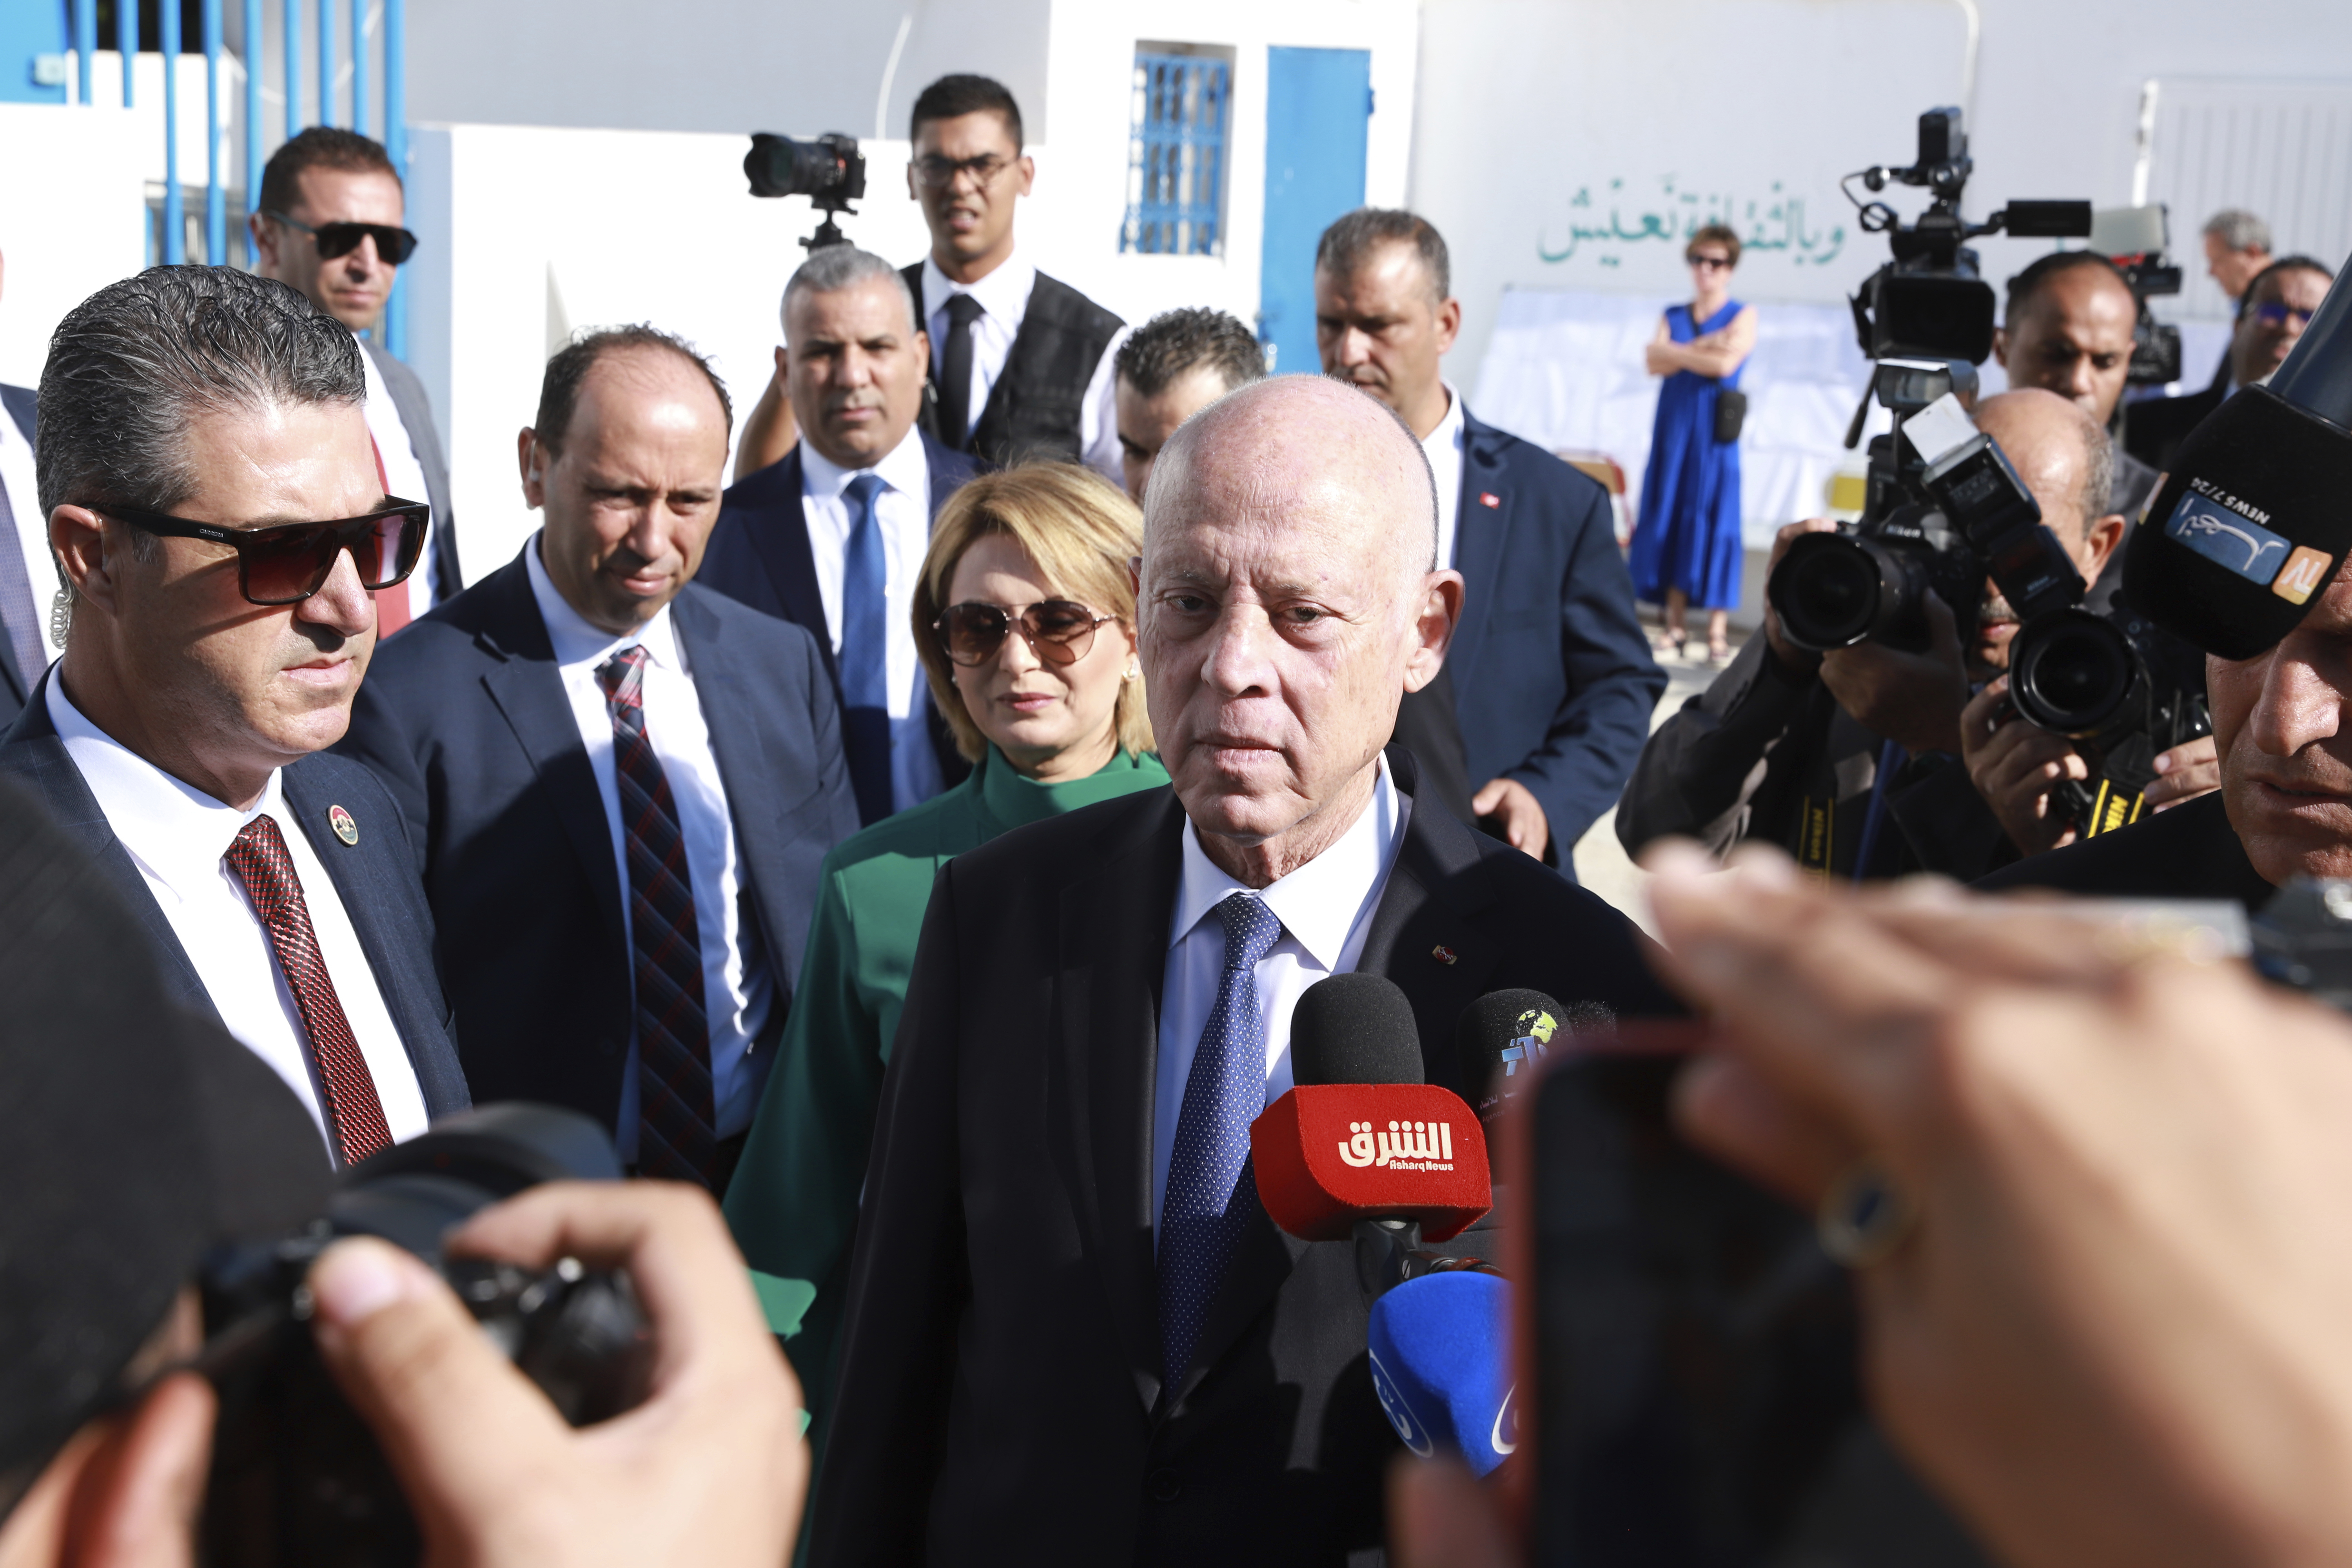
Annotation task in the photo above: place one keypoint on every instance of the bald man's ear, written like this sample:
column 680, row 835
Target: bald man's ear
column 2101, row 539
column 1440, row 612
column 2000, row 347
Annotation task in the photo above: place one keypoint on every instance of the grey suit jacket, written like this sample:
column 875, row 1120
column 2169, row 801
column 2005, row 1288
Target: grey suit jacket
column 22, row 404
column 416, row 413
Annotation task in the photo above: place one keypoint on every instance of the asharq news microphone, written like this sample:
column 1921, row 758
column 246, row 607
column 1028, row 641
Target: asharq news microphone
column 1359, row 1148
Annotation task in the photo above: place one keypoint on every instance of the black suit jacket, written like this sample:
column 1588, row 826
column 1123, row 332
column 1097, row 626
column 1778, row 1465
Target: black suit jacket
column 758, row 553
column 999, row 1395
column 1553, row 680
column 2188, row 852
column 465, row 719
column 375, row 879
column 23, row 405
column 2154, row 429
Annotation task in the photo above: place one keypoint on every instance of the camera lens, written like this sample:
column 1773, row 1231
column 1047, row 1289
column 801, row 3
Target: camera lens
column 1827, row 590
column 2070, row 672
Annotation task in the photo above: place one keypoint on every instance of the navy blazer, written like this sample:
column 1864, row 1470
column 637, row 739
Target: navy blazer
column 758, row 553
column 465, row 718
column 24, row 405
column 375, row 878
column 1553, row 679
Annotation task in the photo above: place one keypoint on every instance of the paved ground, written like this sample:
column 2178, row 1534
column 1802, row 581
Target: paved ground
column 1601, row 861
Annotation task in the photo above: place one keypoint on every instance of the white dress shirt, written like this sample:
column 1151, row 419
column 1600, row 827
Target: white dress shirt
column 903, row 511
column 1326, row 910
column 1003, row 296
column 1444, row 446
column 404, row 476
column 22, row 484
column 176, row 836
column 737, row 991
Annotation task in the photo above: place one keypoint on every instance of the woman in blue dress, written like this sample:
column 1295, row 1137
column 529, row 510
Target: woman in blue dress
column 1687, row 548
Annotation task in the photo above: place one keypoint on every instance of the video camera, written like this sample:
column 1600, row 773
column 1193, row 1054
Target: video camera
column 2137, row 239
column 829, row 171
column 295, row 1476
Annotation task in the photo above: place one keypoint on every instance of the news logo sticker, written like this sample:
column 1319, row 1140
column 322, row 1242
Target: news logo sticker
column 2230, row 539
column 2306, row 571
column 1415, row 1435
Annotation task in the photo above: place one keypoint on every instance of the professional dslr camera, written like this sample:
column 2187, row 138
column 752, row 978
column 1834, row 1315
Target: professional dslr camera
column 1945, row 509
column 295, row 1476
column 829, row 171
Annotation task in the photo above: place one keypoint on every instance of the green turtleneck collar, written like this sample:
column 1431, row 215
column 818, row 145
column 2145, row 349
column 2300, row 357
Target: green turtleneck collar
column 1007, row 799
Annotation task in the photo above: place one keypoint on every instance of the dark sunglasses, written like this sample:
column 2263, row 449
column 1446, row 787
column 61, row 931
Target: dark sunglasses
column 287, row 563
column 1059, row 632
column 1711, row 263
column 2274, row 314
column 395, row 245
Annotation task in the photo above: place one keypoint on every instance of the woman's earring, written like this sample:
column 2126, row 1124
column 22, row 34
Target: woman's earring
column 1134, row 670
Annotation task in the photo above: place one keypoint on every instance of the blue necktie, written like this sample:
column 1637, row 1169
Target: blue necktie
column 866, row 652
column 18, row 611
column 1211, row 1197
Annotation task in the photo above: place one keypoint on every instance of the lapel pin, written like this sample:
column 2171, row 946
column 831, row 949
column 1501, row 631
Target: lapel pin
column 1488, row 498
column 349, row 831
column 1443, row 953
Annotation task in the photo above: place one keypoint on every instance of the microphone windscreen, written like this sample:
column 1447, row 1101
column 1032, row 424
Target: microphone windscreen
column 1441, row 1364
column 1500, row 1039
column 1354, row 1028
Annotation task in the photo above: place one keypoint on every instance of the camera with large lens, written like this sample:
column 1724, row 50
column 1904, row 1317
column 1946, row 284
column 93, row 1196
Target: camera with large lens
column 828, row 169
column 295, row 1476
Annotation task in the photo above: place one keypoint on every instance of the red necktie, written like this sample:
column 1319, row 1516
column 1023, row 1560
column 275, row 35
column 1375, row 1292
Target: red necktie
column 391, row 603
column 355, row 1115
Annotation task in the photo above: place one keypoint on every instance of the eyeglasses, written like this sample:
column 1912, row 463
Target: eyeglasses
column 393, row 245
column 2274, row 314
column 287, row 563
column 1710, row 263
column 1059, row 632
column 937, row 174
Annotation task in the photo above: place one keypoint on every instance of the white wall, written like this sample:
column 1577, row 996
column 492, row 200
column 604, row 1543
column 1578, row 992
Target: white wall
column 71, row 192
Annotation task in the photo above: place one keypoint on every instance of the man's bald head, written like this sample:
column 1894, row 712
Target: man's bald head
column 1295, row 429
column 2060, row 452
column 1288, row 601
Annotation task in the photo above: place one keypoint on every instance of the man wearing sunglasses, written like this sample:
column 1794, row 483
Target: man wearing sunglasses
column 2275, row 307
column 330, row 226
column 219, row 521
column 620, row 782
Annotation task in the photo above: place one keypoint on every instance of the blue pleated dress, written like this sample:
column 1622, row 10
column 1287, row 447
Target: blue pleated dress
column 1687, row 536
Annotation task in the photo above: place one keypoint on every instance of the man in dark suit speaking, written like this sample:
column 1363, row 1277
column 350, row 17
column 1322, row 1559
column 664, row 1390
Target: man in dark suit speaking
column 217, row 513
column 1551, row 673
column 832, row 535
column 621, row 784
column 1073, row 1333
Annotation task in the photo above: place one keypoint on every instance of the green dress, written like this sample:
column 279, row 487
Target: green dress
column 794, row 1201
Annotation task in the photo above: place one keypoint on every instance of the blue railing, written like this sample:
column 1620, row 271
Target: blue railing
column 392, row 131
column 1176, row 155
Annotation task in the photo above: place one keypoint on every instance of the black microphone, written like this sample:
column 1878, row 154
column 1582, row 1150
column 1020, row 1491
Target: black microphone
column 1502, row 1038
column 2250, row 522
column 1354, row 1028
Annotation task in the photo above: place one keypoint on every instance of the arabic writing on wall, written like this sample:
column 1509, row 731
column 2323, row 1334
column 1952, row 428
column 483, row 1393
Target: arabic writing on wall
column 1773, row 223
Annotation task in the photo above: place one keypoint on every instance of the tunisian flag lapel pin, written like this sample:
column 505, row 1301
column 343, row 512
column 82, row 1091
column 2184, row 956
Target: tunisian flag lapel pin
column 345, row 828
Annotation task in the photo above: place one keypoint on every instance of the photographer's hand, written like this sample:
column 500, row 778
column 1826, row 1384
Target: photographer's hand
column 2015, row 765
column 1791, row 656
column 2184, row 772
column 710, row 1470
column 1912, row 698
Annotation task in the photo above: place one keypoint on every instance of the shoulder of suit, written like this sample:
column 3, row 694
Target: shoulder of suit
column 1062, row 849
column 1528, row 464
column 776, row 485
column 340, row 780
column 1102, row 319
column 2143, row 860
column 735, row 619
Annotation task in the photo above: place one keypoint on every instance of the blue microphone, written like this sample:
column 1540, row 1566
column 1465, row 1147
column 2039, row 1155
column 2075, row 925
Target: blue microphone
column 1441, row 1366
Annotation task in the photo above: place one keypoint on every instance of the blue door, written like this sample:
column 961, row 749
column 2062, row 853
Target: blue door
column 1318, row 109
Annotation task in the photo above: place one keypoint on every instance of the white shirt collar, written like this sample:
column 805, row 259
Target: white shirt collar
column 1319, row 903
column 1003, row 293
column 175, row 829
column 1447, row 437
column 576, row 642
column 903, row 468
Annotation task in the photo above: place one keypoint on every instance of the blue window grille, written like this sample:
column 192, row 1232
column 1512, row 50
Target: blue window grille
column 1176, row 155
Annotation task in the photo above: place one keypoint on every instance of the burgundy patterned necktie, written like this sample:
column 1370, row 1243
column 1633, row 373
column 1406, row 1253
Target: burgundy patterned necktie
column 258, row 855
column 677, row 1126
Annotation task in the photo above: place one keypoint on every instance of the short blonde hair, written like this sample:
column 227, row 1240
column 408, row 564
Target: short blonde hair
column 1079, row 529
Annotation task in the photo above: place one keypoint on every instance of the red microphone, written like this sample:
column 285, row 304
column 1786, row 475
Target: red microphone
column 1360, row 1137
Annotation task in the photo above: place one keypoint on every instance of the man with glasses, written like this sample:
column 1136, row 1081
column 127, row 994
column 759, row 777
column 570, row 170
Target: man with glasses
column 330, row 225
column 220, row 523
column 1020, row 363
column 831, row 536
column 2277, row 305
column 621, row 785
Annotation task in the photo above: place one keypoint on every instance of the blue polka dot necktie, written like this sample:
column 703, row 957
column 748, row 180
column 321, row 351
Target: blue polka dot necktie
column 866, row 652
column 1211, row 1197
